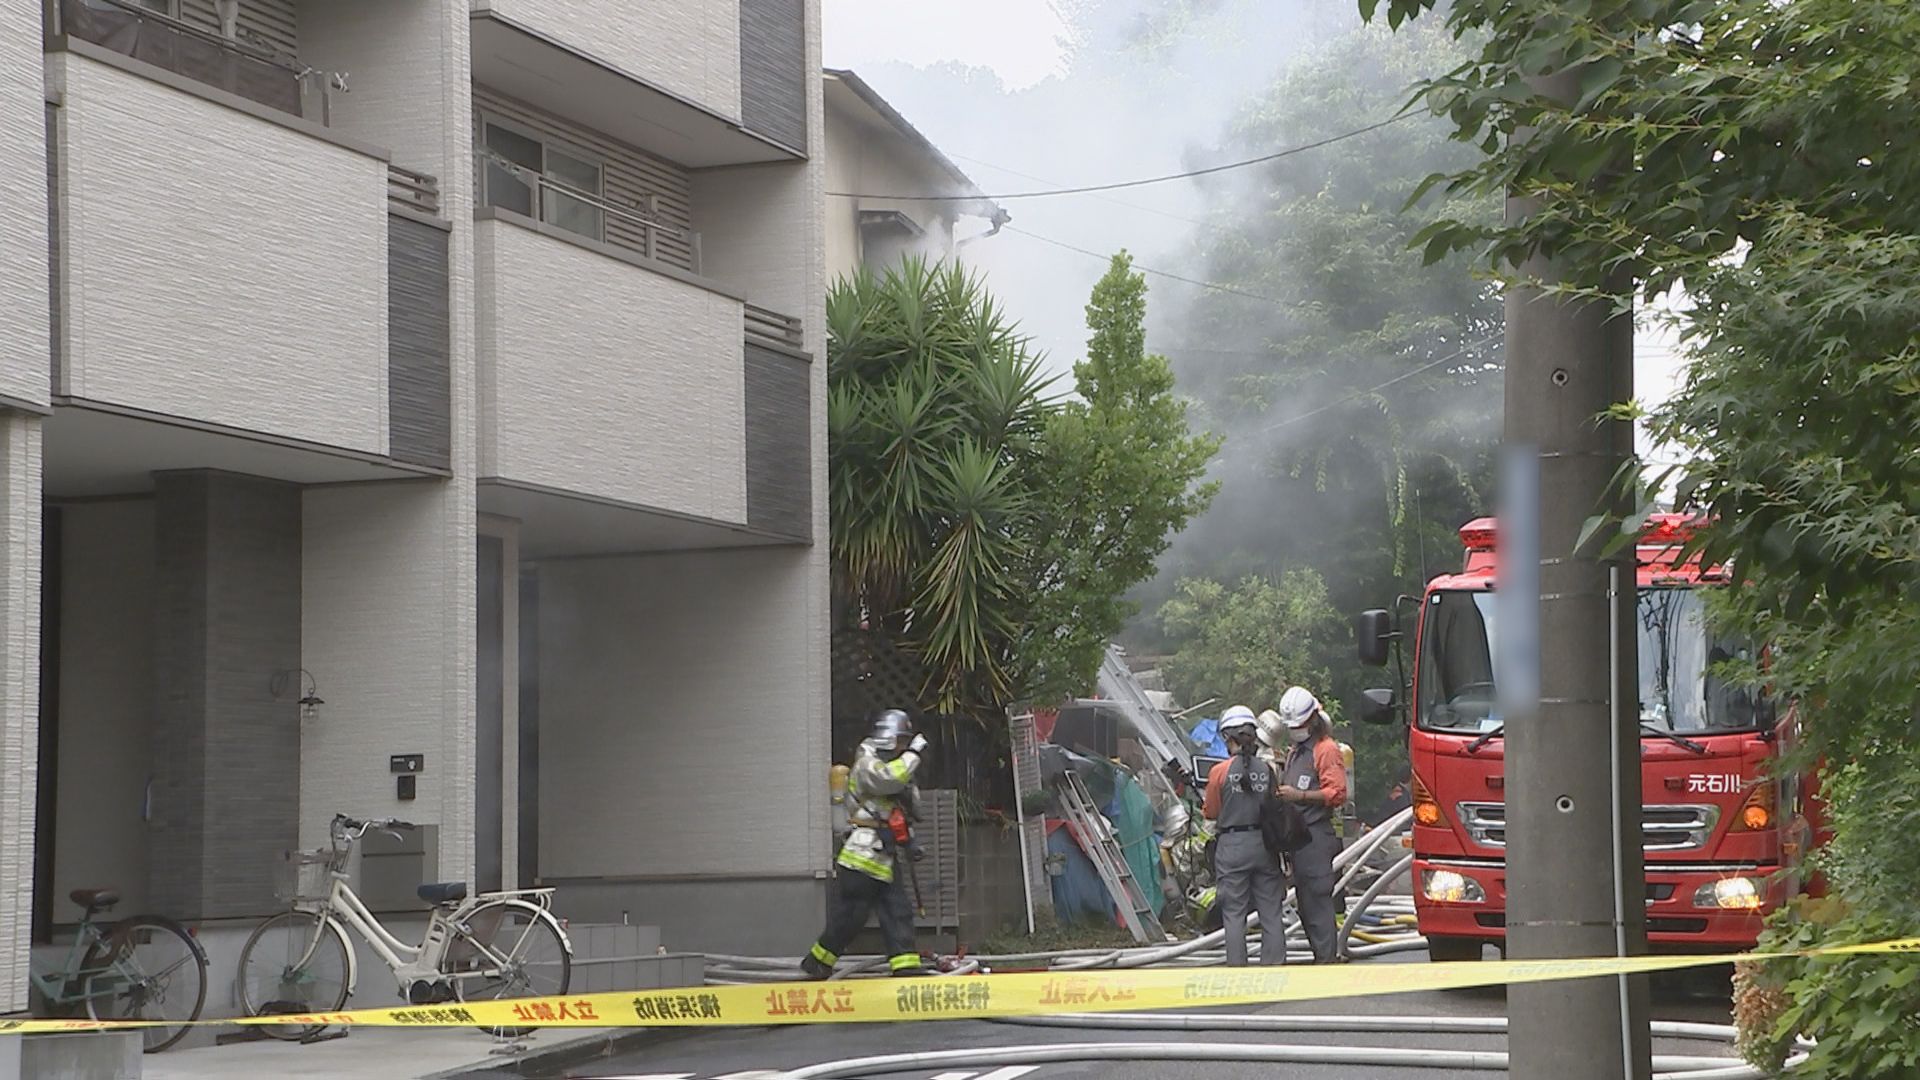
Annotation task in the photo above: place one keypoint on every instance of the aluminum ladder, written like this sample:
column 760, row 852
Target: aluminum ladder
column 1118, row 686
column 1103, row 850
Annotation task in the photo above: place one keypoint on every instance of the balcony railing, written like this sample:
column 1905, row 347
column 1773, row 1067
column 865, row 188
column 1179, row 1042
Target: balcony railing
column 771, row 327
column 413, row 191
column 651, row 229
column 250, row 72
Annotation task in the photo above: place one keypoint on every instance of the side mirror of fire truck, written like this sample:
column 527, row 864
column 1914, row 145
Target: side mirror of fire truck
column 1377, row 707
column 1372, row 633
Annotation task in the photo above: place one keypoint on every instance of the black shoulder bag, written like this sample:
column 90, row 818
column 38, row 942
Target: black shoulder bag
column 1282, row 829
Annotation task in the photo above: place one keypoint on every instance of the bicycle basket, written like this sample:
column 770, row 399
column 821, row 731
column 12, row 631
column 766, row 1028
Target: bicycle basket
column 305, row 876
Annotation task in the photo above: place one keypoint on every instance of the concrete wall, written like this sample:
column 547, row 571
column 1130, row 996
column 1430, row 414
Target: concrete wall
column 157, row 182
column 690, row 48
column 654, row 673
column 106, row 701
column 412, row 92
column 227, row 733
column 375, row 635
column 402, row 58
column 23, row 218
column 770, row 916
column 20, row 470
column 606, row 378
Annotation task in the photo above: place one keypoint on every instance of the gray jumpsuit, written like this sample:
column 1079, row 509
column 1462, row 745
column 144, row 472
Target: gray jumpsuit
column 1247, row 876
column 1313, row 876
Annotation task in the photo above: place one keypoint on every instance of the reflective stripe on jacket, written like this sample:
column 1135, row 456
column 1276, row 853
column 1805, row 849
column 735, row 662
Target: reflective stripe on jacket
column 873, row 789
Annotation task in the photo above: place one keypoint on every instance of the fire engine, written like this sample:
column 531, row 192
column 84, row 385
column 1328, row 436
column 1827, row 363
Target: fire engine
column 1718, row 827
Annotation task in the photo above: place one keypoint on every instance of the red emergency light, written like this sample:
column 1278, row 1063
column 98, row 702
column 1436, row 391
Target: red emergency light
column 1662, row 530
column 1478, row 534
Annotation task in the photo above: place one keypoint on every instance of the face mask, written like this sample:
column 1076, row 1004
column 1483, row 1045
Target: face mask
column 1300, row 734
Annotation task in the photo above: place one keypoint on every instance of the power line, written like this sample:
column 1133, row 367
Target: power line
column 1215, row 286
column 1117, row 185
column 1102, row 198
column 1403, row 376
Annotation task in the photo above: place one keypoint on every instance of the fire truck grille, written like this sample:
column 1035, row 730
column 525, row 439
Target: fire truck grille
column 1663, row 826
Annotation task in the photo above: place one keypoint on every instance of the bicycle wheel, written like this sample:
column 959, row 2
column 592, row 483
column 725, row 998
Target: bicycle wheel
column 150, row 969
column 295, row 962
column 505, row 950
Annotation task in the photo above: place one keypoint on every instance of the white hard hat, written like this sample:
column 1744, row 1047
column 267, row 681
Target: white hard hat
column 1236, row 718
column 1298, row 706
column 1270, row 724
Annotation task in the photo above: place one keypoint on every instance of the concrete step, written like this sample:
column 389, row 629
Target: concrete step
column 623, row 957
column 98, row 1055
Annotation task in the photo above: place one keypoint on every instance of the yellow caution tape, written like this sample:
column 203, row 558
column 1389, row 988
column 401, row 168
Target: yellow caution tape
column 984, row 996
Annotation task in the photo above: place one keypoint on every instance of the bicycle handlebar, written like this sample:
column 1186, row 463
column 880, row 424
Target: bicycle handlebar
column 360, row 828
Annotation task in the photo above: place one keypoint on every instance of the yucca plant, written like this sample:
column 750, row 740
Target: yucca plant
column 935, row 408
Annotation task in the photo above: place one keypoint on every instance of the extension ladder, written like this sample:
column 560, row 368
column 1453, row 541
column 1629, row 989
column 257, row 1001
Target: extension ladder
column 1103, row 850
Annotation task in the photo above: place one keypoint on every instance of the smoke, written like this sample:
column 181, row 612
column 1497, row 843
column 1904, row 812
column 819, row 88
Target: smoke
column 1309, row 243
column 1146, row 87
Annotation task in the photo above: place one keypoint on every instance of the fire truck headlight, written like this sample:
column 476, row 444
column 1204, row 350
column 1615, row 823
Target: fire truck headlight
column 1451, row 887
column 1734, row 893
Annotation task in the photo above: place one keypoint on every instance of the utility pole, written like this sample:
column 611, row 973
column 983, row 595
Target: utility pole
column 1575, row 874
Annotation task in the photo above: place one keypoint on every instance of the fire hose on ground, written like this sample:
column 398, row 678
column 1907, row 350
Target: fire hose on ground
column 1394, row 931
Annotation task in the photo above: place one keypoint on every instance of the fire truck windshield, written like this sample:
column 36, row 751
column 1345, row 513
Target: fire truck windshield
column 1678, row 691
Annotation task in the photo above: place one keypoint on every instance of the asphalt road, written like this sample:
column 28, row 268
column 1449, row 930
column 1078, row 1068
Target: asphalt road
column 740, row 1054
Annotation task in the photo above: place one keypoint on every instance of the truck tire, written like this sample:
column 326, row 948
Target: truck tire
column 1447, row 949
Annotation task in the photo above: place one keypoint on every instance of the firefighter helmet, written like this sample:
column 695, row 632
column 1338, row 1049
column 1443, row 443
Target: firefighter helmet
column 892, row 729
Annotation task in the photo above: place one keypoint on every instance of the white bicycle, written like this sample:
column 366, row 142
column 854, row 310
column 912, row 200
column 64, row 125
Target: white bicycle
column 490, row 947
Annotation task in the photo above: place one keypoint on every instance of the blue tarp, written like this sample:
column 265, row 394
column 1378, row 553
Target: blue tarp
column 1078, row 895
column 1206, row 735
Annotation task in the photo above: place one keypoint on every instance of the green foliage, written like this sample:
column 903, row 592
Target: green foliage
column 1246, row 644
column 934, row 410
column 1752, row 149
column 1119, row 475
column 1860, row 1010
column 988, row 530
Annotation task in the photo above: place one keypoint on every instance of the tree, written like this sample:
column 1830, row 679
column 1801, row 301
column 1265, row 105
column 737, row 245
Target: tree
column 1764, row 167
column 988, row 531
column 1120, row 474
column 934, row 414
column 1247, row 644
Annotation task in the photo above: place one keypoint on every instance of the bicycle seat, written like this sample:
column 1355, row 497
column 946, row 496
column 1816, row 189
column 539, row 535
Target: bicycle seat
column 444, row 892
column 94, row 899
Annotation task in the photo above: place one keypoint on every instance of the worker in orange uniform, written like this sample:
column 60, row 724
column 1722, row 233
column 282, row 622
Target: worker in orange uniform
column 1314, row 779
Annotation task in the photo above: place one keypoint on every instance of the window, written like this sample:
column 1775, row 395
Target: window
column 529, row 175
column 1681, row 688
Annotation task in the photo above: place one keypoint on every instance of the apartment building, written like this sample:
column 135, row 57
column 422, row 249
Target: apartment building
column 873, row 155
column 410, row 408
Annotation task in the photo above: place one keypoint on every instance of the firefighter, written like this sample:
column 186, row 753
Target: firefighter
column 879, row 792
column 1247, row 876
column 1315, row 780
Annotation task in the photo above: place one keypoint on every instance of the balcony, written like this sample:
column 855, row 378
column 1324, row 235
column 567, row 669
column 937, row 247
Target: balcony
column 234, row 286
column 253, row 72
column 701, row 82
column 627, row 404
